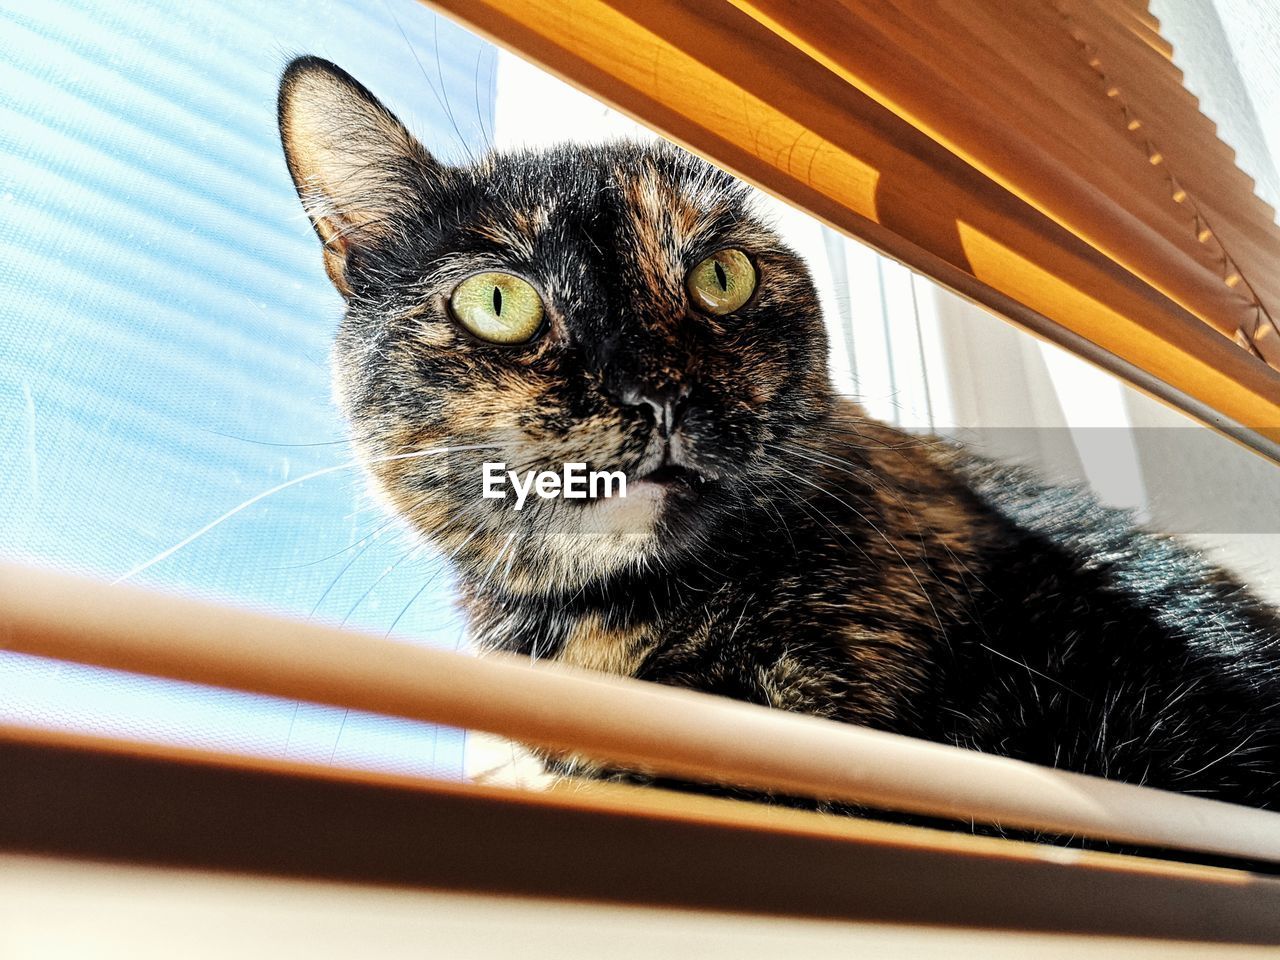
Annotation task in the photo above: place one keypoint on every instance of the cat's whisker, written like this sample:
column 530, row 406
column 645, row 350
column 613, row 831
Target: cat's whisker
column 390, row 569
column 806, row 506
column 485, row 132
column 405, row 609
column 372, row 534
column 866, row 475
column 506, row 571
column 883, row 536
column 458, row 549
column 341, row 573
column 1030, row 669
column 904, row 441
column 258, row 498
column 497, row 557
column 815, row 513
column 273, row 443
column 441, row 95
column 767, row 502
column 430, row 581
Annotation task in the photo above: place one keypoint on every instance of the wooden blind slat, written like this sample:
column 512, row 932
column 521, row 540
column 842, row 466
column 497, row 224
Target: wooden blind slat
column 96, row 800
column 640, row 725
column 1119, row 208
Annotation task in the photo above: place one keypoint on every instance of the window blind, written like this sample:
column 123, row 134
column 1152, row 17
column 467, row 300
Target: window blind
column 1042, row 158
column 646, row 726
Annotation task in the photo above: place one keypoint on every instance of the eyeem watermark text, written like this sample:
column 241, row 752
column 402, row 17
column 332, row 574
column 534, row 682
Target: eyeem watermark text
column 574, row 482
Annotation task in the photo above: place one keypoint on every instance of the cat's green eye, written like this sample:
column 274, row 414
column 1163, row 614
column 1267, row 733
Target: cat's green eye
column 498, row 307
column 723, row 282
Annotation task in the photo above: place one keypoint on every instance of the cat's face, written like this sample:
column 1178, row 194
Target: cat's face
column 537, row 309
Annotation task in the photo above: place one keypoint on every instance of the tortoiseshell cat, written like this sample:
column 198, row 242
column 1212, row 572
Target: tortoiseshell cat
column 620, row 306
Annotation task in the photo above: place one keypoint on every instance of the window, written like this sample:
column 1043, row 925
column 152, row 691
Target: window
column 164, row 330
column 164, row 326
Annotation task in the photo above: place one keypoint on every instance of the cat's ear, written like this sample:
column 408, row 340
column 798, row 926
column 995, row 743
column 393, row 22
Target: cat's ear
column 355, row 166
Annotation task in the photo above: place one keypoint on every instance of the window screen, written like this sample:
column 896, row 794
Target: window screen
column 164, row 326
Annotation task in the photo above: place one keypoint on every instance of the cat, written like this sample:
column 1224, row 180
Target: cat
column 622, row 307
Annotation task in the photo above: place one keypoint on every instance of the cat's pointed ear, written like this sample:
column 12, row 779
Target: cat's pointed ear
column 355, row 166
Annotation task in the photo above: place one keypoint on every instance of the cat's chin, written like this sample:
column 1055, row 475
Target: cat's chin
column 635, row 515
column 610, row 536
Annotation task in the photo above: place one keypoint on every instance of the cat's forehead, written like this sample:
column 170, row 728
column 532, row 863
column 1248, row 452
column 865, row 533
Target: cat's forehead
column 582, row 172
column 655, row 197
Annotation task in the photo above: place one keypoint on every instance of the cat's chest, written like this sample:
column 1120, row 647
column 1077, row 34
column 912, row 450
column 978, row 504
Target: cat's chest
column 608, row 640
column 591, row 642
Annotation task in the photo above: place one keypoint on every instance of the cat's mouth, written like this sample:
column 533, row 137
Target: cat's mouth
column 672, row 476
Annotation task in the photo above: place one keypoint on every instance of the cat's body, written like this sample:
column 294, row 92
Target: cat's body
column 622, row 307
column 951, row 599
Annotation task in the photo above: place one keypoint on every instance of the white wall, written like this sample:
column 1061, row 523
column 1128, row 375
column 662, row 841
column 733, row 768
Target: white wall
column 1229, row 52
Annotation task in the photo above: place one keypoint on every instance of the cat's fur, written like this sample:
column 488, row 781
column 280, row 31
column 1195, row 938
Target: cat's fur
column 805, row 557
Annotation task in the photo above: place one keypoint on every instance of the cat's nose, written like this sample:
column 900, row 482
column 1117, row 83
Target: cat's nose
column 663, row 405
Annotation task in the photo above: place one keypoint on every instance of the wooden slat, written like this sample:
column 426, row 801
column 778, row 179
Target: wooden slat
column 75, row 797
column 641, row 725
column 63, row 908
column 1127, row 287
column 1010, row 131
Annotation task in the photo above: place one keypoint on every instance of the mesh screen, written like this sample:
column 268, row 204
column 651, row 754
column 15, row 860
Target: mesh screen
column 164, row 326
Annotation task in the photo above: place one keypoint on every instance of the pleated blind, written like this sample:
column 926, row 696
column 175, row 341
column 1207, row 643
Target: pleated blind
column 1042, row 158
